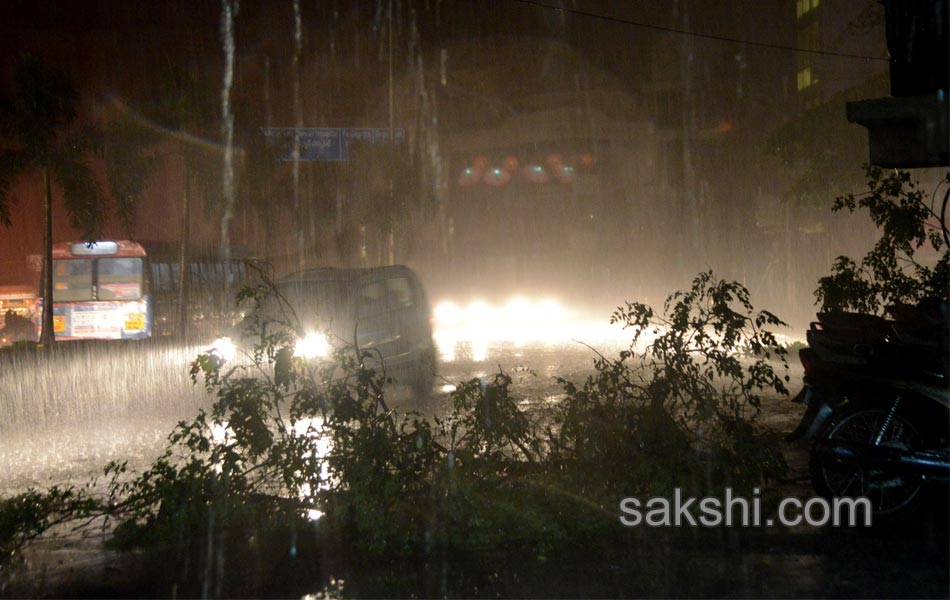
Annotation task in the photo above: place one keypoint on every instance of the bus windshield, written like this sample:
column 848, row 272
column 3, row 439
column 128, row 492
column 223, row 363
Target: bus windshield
column 119, row 278
column 72, row 280
column 115, row 279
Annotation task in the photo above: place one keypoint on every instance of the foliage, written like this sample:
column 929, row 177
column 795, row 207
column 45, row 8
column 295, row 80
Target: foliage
column 386, row 196
column 891, row 272
column 189, row 111
column 36, row 121
column 27, row 515
column 680, row 413
column 131, row 163
column 286, row 437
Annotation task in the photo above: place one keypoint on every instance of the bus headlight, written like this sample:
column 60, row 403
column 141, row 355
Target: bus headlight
column 224, row 348
column 313, row 345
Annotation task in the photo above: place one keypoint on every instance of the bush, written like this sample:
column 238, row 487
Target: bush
column 681, row 413
column 285, row 438
column 891, row 272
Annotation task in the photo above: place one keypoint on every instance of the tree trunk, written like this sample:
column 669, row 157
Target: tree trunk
column 47, row 338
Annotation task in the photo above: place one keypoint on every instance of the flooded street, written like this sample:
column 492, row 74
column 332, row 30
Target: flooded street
column 86, row 422
column 64, row 420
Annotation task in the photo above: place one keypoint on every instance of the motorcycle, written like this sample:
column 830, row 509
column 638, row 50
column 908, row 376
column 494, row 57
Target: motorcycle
column 877, row 400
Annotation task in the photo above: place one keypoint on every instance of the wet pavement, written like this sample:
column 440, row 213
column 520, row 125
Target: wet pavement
column 86, row 413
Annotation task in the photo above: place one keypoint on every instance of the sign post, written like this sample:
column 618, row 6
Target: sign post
column 327, row 144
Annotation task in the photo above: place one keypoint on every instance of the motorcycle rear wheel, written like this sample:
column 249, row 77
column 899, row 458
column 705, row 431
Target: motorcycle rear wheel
column 890, row 492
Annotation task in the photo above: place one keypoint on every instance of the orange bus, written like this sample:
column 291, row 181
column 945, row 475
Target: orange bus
column 101, row 291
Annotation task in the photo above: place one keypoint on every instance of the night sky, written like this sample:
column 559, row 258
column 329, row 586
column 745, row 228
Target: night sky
column 491, row 58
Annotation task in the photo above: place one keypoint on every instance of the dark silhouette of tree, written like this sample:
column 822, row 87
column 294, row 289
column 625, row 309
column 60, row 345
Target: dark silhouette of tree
column 384, row 188
column 36, row 124
column 132, row 159
column 892, row 272
column 189, row 111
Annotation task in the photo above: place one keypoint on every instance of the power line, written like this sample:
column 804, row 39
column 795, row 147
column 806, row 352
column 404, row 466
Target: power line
column 707, row 36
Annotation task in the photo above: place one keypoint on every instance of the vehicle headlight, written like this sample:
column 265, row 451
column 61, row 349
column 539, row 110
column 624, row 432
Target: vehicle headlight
column 313, row 345
column 224, row 348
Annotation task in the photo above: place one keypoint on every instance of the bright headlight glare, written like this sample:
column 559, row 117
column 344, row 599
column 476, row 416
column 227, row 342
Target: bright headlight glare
column 313, row 345
column 224, row 348
column 447, row 312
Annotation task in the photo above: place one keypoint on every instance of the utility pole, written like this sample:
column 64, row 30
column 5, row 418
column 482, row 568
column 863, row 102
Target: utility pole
column 390, row 238
column 184, row 271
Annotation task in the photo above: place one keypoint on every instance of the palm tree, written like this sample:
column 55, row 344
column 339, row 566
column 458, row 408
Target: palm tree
column 188, row 110
column 35, row 126
column 132, row 159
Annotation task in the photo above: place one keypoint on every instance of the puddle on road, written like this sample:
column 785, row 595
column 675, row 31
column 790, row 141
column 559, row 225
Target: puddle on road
column 77, row 453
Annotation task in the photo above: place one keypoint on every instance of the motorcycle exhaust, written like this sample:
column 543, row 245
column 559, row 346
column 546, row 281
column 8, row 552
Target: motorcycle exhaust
column 927, row 465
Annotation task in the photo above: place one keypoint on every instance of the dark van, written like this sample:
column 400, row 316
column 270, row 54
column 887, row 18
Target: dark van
column 384, row 307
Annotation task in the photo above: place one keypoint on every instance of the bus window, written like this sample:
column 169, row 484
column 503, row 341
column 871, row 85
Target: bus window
column 162, row 280
column 196, row 280
column 120, row 278
column 237, row 273
column 72, row 280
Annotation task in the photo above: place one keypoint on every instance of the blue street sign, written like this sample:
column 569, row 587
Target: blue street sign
column 326, row 144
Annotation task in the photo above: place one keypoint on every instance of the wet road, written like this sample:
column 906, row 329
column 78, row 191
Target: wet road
column 63, row 419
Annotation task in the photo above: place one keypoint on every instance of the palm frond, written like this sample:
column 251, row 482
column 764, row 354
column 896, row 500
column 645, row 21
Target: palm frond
column 46, row 102
column 7, row 116
column 81, row 194
column 131, row 162
column 12, row 164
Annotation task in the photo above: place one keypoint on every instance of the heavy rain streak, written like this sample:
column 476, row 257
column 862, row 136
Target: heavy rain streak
column 416, row 292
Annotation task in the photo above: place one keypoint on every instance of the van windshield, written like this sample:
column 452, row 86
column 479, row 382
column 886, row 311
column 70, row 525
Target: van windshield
column 318, row 301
